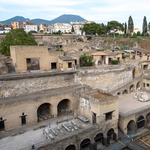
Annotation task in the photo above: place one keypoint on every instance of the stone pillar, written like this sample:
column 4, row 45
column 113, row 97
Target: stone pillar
column 54, row 111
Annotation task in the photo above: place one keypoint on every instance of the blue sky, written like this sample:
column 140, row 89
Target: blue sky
column 92, row 10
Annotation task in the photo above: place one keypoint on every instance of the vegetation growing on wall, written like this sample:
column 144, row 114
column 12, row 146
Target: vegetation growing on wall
column 79, row 39
column 15, row 37
column 114, row 62
column 86, row 60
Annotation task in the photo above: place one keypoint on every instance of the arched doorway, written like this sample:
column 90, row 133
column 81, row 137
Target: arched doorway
column 148, row 118
column 140, row 122
column 133, row 73
column 125, row 92
column 132, row 88
column 111, row 136
column 99, row 62
column 118, row 93
column 70, row 147
column 138, row 85
column 85, row 144
column 44, row 112
column 64, row 107
column 99, row 139
column 131, row 127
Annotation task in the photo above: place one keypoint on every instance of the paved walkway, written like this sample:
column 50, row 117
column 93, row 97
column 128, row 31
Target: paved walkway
column 30, row 136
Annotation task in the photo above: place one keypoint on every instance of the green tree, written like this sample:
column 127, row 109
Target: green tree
column 125, row 30
column 130, row 25
column 92, row 28
column 72, row 30
column 86, row 60
column 138, row 33
column 122, row 28
column 148, row 26
column 115, row 26
column 15, row 37
column 144, row 25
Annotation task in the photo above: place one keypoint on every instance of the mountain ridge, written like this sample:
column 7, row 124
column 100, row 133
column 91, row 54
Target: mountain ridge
column 65, row 18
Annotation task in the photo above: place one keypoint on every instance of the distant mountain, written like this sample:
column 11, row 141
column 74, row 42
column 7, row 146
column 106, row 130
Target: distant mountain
column 63, row 19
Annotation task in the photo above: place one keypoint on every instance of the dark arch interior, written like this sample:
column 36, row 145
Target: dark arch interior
column 118, row 93
column 140, row 122
column 131, row 127
column 43, row 112
column 138, row 85
column 111, row 136
column 148, row 117
column 132, row 88
column 99, row 139
column 64, row 107
column 85, row 144
column 125, row 92
column 71, row 147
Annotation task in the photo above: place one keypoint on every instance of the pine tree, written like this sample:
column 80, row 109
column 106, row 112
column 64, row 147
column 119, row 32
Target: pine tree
column 72, row 30
column 125, row 30
column 144, row 25
column 130, row 25
column 149, row 26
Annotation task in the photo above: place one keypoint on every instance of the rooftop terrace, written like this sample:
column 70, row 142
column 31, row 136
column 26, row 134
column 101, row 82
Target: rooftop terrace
column 129, row 105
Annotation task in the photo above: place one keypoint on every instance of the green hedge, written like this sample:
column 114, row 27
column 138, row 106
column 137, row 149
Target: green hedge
column 124, row 56
column 88, row 63
column 114, row 61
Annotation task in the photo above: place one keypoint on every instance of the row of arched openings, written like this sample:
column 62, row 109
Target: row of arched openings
column 45, row 111
column 132, row 126
column 99, row 141
column 131, row 89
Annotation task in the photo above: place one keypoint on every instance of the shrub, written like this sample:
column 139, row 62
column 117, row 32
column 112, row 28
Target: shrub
column 117, row 48
column 124, row 56
column 100, row 50
column 79, row 39
column 89, row 63
column 114, row 62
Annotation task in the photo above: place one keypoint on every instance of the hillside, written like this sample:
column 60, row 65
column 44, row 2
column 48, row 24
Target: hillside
column 63, row 19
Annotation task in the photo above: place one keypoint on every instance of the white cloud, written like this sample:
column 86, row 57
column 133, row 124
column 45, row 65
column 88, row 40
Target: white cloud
column 3, row 9
column 43, row 3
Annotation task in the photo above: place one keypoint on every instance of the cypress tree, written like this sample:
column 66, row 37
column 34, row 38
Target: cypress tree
column 144, row 25
column 130, row 25
column 125, row 30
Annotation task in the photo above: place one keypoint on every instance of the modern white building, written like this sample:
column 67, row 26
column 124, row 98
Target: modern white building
column 77, row 25
column 137, row 30
column 29, row 28
column 63, row 27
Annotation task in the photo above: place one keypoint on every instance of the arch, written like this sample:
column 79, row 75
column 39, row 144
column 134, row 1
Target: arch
column 132, row 88
column 138, row 85
column 85, row 144
column 64, row 107
column 148, row 117
column 71, row 147
column 44, row 111
column 99, row 139
column 140, row 122
column 125, row 92
column 111, row 136
column 99, row 62
column 133, row 73
column 131, row 127
column 118, row 93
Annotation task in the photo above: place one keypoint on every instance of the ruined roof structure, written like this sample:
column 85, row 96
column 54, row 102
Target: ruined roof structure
column 66, row 58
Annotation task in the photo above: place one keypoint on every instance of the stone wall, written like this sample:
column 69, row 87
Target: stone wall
column 78, row 137
column 12, row 86
column 107, row 78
